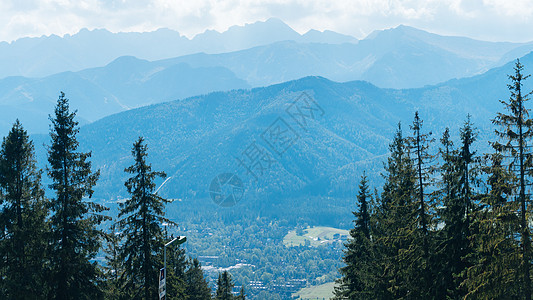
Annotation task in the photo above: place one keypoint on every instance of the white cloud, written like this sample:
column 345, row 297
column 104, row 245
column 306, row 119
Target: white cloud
column 484, row 19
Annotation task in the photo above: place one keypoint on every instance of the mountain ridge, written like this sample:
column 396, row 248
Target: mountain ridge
column 46, row 55
column 197, row 138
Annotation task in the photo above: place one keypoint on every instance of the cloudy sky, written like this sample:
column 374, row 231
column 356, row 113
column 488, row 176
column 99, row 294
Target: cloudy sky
column 495, row 20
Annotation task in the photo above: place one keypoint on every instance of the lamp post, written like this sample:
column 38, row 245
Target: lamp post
column 180, row 240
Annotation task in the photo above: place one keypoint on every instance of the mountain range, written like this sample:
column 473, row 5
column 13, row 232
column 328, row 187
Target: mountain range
column 198, row 138
column 125, row 83
column 401, row 57
column 47, row 55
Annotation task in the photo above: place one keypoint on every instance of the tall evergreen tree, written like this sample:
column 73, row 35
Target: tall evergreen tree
column 142, row 218
column 516, row 133
column 75, row 237
column 396, row 225
column 458, row 175
column 493, row 270
column 22, row 218
column 197, row 287
column 224, row 287
column 356, row 280
column 450, row 216
column 420, row 249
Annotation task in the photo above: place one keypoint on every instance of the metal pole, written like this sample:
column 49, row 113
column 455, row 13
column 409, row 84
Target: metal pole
column 165, row 265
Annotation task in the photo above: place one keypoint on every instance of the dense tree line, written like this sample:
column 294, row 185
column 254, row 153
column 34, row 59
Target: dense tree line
column 454, row 225
column 48, row 246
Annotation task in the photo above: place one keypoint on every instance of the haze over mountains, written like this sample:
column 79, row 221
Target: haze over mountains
column 402, row 57
column 197, row 138
column 47, row 55
column 203, row 115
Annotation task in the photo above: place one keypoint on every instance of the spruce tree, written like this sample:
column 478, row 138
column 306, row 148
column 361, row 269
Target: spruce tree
column 75, row 237
column 176, row 268
column 224, row 287
column 356, row 280
column 22, row 218
column 141, row 224
column 458, row 176
column 493, row 271
column 420, row 252
column 113, row 269
column 242, row 295
column 449, row 215
column 396, row 224
column 516, row 130
column 197, row 287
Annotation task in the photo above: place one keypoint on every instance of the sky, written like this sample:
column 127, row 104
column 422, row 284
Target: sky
column 492, row 20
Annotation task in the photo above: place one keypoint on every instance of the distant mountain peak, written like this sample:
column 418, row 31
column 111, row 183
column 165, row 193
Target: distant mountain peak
column 270, row 26
column 398, row 30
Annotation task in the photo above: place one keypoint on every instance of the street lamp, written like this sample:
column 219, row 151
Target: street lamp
column 163, row 283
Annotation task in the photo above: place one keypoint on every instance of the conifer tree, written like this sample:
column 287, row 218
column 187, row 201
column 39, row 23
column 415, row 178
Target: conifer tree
column 75, row 237
column 356, row 280
column 113, row 269
column 197, row 287
column 449, row 215
column 420, row 249
column 224, row 287
column 458, row 174
column 396, row 225
column 516, row 130
column 176, row 267
column 22, row 218
column 242, row 295
column 493, row 271
column 141, row 224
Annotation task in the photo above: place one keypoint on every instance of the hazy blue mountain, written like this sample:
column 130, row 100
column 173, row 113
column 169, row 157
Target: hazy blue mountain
column 46, row 55
column 196, row 139
column 125, row 83
column 402, row 57
column 262, row 33
column 462, row 46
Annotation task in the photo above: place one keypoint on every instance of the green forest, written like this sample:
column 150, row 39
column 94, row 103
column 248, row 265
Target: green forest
column 450, row 226
column 49, row 246
column 450, row 223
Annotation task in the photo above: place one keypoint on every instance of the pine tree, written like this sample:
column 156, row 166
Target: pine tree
column 22, row 218
column 516, row 132
column 142, row 217
column 457, row 195
column 396, row 224
column 356, row 280
column 242, row 295
column 493, row 271
column 75, row 237
column 176, row 267
column 450, row 216
column 224, row 287
column 113, row 269
column 419, row 251
column 197, row 287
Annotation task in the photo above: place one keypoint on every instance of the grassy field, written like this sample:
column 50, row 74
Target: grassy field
column 323, row 291
column 315, row 235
